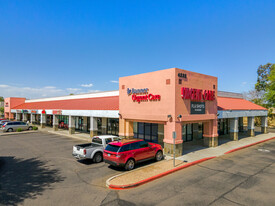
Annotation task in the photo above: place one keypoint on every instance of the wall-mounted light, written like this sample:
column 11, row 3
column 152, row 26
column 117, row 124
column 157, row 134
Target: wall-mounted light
column 179, row 116
column 119, row 115
column 169, row 116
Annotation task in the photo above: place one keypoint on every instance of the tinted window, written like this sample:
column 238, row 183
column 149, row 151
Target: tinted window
column 135, row 145
column 125, row 148
column 143, row 144
column 108, row 140
column 112, row 148
column 97, row 140
column 16, row 123
column 22, row 123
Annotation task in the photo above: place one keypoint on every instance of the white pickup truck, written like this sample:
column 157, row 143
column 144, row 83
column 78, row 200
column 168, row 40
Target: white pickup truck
column 95, row 149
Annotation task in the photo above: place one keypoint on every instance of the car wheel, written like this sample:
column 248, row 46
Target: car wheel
column 159, row 156
column 97, row 157
column 30, row 128
column 10, row 130
column 130, row 164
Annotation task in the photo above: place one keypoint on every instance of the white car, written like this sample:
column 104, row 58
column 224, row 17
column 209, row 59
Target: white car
column 95, row 149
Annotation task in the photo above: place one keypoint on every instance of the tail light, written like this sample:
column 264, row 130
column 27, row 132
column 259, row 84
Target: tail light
column 84, row 151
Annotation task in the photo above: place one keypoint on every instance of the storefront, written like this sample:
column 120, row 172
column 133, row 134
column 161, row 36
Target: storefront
column 149, row 106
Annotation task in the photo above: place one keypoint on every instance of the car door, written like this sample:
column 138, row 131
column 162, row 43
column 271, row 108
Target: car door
column 24, row 125
column 137, row 152
column 148, row 152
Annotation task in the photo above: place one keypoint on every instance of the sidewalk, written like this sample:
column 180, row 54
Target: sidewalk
column 151, row 172
column 77, row 135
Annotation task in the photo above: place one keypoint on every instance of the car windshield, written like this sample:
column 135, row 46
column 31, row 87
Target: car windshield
column 97, row 140
column 112, row 148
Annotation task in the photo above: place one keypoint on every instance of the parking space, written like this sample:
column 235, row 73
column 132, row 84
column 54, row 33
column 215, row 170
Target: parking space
column 36, row 166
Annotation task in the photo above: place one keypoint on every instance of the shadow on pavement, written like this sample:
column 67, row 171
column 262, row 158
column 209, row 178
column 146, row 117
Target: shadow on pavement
column 24, row 178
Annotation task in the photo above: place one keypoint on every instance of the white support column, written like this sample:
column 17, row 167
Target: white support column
column 234, row 130
column 84, row 124
column 24, row 118
column 104, row 126
column 18, row 116
column 32, row 118
column 55, row 122
column 93, row 126
column 43, row 120
column 251, row 126
column 264, row 125
column 71, row 124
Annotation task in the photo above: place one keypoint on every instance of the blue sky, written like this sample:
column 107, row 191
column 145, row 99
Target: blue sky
column 52, row 48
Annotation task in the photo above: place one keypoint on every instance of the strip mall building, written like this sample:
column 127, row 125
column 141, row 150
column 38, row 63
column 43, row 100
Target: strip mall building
column 149, row 106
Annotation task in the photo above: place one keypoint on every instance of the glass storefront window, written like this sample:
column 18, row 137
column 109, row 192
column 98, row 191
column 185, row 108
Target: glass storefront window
column 146, row 131
column 63, row 122
column 112, row 126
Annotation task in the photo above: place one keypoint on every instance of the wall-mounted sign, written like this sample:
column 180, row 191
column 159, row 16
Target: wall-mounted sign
column 33, row 111
column 197, row 94
column 25, row 111
column 43, row 111
column 6, row 104
column 18, row 111
column 137, row 91
column 142, row 98
column 182, row 75
column 57, row 111
column 197, row 108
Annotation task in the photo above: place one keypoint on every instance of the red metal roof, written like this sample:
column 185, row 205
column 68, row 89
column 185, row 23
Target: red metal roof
column 228, row 103
column 98, row 103
column 112, row 103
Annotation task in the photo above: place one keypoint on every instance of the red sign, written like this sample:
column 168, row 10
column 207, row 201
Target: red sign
column 197, row 94
column 144, row 98
column 57, row 111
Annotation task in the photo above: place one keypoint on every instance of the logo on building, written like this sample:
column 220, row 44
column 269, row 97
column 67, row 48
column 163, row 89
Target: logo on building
column 182, row 75
column 136, row 97
column 197, row 94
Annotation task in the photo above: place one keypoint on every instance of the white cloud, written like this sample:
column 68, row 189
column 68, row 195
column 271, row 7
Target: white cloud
column 3, row 86
column 92, row 91
column 114, row 81
column 244, row 83
column 86, row 85
column 30, row 92
column 74, row 90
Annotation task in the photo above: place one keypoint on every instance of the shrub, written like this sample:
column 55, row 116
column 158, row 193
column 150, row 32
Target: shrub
column 19, row 130
column 35, row 128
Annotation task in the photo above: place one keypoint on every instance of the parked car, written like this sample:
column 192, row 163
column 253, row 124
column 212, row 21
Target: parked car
column 13, row 126
column 2, row 122
column 93, row 150
column 128, row 152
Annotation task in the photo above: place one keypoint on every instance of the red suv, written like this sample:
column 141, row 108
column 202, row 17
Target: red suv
column 127, row 152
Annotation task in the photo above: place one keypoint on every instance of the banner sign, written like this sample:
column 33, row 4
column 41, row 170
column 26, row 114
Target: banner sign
column 197, row 107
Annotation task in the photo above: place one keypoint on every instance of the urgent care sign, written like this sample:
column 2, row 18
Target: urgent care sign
column 141, row 95
column 197, row 94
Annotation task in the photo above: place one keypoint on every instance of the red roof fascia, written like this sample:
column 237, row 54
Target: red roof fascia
column 228, row 103
column 98, row 103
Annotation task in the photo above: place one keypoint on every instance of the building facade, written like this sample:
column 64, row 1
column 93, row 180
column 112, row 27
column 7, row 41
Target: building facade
column 149, row 106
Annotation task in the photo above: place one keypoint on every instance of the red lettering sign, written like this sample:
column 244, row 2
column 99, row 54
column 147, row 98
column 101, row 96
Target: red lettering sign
column 144, row 98
column 197, row 94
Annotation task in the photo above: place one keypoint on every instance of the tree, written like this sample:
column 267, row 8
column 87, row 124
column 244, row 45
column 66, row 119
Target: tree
column 2, row 110
column 1, row 99
column 270, row 92
column 263, row 74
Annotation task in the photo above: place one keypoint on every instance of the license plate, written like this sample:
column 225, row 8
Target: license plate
column 109, row 155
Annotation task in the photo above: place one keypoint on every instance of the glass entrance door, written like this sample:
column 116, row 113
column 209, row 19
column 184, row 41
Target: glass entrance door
column 187, row 132
column 147, row 131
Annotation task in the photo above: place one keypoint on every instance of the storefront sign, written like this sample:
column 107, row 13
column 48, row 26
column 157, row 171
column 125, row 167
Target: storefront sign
column 142, row 98
column 33, row 111
column 57, row 111
column 18, row 111
column 137, row 91
column 6, row 104
column 197, row 107
column 197, row 94
column 25, row 111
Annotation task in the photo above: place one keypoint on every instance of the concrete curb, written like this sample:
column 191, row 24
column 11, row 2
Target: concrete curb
column 129, row 186
column 249, row 145
column 16, row 133
column 120, row 187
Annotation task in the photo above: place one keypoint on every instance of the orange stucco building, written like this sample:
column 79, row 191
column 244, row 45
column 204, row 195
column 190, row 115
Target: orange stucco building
column 149, row 106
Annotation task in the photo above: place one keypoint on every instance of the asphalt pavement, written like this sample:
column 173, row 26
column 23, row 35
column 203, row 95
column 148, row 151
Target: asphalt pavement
column 38, row 169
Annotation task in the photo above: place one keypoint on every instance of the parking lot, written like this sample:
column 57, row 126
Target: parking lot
column 38, row 169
